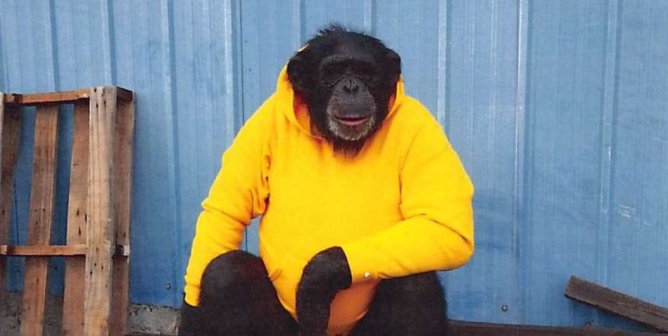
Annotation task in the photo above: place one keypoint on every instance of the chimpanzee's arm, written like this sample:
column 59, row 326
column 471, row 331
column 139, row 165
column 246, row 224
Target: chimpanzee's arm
column 238, row 194
column 326, row 274
column 436, row 232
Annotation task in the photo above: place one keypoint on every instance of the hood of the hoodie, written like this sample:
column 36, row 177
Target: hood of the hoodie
column 294, row 108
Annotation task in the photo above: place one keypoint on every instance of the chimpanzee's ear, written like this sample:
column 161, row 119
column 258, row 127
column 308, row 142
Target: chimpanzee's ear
column 393, row 65
column 300, row 71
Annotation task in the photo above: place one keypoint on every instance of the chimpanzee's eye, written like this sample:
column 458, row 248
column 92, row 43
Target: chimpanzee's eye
column 331, row 73
column 368, row 76
column 366, row 73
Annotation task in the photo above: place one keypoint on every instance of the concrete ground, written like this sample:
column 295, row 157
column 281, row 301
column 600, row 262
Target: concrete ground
column 142, row 319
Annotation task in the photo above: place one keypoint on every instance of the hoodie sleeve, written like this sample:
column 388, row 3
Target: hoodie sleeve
column 237, row 195
column 437, row 230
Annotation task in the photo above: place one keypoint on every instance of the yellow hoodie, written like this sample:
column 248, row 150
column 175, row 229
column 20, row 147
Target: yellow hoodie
column 401, row 206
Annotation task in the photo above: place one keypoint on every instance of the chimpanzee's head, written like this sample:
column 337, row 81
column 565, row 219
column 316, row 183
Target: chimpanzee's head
column 346, row 79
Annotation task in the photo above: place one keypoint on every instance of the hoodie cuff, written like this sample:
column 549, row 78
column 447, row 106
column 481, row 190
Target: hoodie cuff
column 192, row 295
column 361, row 266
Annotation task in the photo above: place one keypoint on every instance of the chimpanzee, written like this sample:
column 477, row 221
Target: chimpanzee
column 362, row 199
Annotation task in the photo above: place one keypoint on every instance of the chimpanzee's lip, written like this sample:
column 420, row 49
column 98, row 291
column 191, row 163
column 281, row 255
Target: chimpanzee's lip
column 351, row 121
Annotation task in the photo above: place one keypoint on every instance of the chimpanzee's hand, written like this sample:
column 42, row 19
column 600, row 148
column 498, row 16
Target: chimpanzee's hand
column 326, row 274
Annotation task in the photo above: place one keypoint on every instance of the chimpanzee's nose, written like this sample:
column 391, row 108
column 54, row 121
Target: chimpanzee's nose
column 350, row 86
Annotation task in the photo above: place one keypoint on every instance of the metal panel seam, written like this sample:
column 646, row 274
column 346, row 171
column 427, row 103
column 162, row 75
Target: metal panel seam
column 54, row 45
column 607, row 136
column 3, row 82
column 442, row 66
column 298, row 25
column 237, row 56
column 107, row 42
column 370, row 16
column 168, row 27
column 302, row 19
column 521, row 178
column 110, row 71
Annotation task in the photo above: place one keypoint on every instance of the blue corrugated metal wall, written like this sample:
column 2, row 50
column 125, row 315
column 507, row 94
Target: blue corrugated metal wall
column 559, row 110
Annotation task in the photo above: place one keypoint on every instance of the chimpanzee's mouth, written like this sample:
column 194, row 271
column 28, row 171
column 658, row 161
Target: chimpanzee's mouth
column 351, row 121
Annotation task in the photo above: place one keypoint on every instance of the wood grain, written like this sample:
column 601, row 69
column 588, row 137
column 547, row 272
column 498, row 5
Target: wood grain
column 40, row 218
column 101, row 211
column 2, row 117
column 58, row 97
column 4, row 227
column 75, row 268
column 10, row 129
column 617, row 303
column 461, row 328
column 43, row 250
column 57, row 250
column 8, row 145
column 125, row 120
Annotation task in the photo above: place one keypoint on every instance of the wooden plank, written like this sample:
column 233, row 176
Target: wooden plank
column 75, row 268
column 9, row 145
column 4, row 225
column 617, row 303
column 40, row 218
column 125, row 95
column 56, row 250
column 461, row 328
column 43, row 250
column 2, row 117
column 59, row 97
column 46, row 98
column 123, row 199
column 101, row 211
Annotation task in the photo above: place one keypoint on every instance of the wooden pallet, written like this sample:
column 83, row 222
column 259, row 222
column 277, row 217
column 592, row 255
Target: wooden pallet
column 618, row 303
column 463, row 328
column 98, row 214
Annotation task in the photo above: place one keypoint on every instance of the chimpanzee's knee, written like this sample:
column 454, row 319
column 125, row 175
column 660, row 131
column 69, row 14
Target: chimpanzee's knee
column 406, row 306
column 236, row 298
column 231, row 279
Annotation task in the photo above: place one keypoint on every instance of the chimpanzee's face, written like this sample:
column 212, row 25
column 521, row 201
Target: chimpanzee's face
column 346, row 80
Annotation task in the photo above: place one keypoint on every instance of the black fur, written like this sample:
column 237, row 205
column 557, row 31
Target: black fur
column 236, row 299
column 327, row 273
column 408, row 306
column 346, row 74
